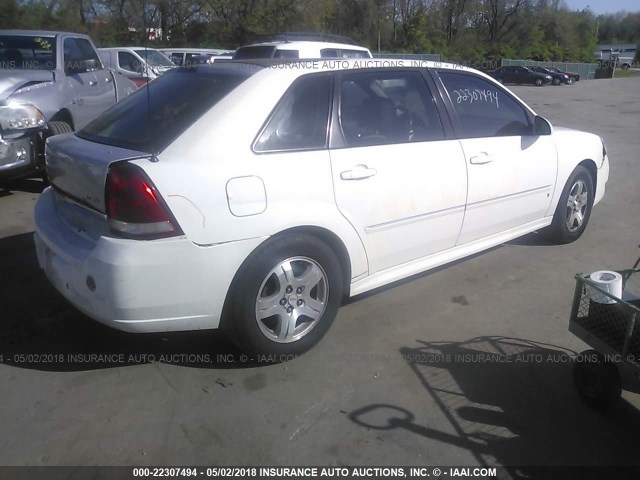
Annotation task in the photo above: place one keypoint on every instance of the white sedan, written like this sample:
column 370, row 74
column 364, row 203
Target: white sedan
column 256, row 199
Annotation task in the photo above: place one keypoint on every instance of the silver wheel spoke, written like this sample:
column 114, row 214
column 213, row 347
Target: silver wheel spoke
column 285, row 274
column 267, row 307
column 582, row 199
column 314, row 304
column 308, row 311
column 311, row 277
column 291, row 322
column 578, row 218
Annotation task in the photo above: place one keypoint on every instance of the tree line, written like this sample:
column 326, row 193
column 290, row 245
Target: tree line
column 459, row 30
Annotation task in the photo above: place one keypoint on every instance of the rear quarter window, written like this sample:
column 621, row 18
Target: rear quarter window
column 150, row 119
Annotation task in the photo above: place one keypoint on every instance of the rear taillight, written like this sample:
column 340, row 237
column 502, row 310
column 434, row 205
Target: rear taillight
column 134, row 206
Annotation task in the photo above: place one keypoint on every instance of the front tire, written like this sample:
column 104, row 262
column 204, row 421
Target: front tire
column 285, row 297
column 556, row 81
column 58, row 128
column 571, row 81
column 574, row 207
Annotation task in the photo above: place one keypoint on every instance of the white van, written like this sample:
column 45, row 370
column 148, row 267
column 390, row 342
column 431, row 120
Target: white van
column 301, row 49
column 186, row 56
column 139, row 64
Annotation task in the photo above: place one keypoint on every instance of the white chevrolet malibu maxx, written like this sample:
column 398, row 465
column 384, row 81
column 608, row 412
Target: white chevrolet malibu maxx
column 256, row 198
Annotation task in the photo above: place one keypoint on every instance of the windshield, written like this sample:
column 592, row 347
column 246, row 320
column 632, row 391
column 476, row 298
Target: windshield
column 150, row 119
column 155, row 58
column 25, row 52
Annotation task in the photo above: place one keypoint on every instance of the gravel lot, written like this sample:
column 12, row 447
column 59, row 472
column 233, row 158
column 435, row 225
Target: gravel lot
column 403, row 377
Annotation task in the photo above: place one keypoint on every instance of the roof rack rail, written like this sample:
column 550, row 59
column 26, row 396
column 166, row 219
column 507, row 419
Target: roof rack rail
column 313, row 37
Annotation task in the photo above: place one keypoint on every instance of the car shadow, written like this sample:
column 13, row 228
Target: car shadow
column 398, row 283
column 509, row 402
column 40, row 330
column 27, row 185
column 534, row 239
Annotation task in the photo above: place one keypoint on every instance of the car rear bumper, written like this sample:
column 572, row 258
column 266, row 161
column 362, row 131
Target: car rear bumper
column 133, row 285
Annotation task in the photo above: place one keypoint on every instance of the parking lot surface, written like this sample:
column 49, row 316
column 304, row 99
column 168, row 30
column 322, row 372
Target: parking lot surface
column 466, row 365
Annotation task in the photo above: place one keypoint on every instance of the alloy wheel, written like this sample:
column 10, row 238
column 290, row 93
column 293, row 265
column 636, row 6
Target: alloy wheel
column 577, row 204
column 291, row 299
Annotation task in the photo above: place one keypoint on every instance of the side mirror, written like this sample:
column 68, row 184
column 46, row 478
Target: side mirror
column 541, row 126
column 81, row 66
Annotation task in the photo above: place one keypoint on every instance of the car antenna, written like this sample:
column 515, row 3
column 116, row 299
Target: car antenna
column 153, row 158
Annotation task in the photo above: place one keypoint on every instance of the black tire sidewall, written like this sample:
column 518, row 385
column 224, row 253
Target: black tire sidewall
column 240, row 322
column 558, row 230
column 58, row 128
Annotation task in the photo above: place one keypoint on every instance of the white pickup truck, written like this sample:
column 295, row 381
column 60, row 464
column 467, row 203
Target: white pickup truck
column 50, row 83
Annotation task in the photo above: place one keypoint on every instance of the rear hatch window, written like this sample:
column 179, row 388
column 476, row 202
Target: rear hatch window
column 150, row 119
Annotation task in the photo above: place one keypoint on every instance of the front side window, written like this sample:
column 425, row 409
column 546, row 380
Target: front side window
column 483, row 109
column 301, row 118
column 130, row 62
column 77, row 52
column 25, row 52
column 154, row 58
column 379, row 108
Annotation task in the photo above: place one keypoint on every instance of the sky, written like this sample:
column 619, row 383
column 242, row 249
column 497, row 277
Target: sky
column 605, row 6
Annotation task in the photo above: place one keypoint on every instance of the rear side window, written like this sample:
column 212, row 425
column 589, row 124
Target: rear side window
column 483, row 109
column 256, row 52
column 153, row 117
column 300, row 119
column 286, row 54
column 343, row 53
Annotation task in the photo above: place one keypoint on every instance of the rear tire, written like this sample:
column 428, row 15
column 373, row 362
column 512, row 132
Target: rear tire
column 574, row 208
column 539, row 82
column 571, row 81
column 285, row 297
column 556, row 81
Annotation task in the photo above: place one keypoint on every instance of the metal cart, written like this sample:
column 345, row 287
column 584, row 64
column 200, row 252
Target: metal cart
column 613, row 332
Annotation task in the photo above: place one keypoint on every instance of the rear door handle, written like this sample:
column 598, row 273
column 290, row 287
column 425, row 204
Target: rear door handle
column 481, row 159
column 360, row 172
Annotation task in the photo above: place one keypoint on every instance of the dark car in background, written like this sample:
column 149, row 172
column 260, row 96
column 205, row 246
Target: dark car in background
column 520, row 75
column 573, row 77
column 557, row 78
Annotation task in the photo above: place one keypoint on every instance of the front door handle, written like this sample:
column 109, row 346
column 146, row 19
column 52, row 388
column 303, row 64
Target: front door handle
column 481, row 159
column 360, row 172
